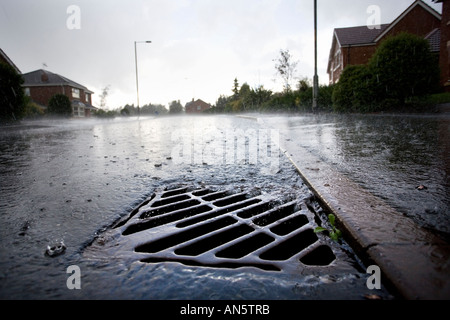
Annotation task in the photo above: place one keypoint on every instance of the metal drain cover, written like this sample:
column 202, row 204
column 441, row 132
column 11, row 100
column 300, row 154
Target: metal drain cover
column 213, row 227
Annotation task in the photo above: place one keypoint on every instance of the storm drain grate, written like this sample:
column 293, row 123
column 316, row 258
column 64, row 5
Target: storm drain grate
column 210, row 227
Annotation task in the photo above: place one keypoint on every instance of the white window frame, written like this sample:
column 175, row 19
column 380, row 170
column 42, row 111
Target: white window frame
column 337, row 60
column 75, row 93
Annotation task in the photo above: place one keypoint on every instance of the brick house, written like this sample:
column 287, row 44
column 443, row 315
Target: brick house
column 197, row 106
column 356, row 45
column 5, row 59
column 41, row 85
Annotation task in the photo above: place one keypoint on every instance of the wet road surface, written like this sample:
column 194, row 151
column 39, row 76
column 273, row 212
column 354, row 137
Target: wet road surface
column 69, row 182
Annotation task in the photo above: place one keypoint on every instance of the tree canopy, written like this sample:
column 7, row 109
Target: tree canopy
column 175, row 107
column 403, row 67
column 12, row 98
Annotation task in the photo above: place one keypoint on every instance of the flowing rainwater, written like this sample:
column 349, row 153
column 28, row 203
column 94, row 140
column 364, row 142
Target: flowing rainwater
column 63, row 183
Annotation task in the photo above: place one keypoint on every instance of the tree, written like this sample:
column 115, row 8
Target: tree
column 175, row 107
column 125, row 112
column 60, row 105
column 222, row 105
column 286, row 68
column 304, row 85
column 12, row 98
column 153, row 109
column 260, row 96
column 404, row 67
column 103, row 96
column 235, row 88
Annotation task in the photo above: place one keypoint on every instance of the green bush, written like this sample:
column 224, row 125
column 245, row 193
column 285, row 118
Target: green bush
column 439, row 98
column 353, row 92
column 12, row 103
column 100, row 113
column 59, row 105
column 32, row 110
column 325, row 98
column 399, row 74
column 286, row 101
column 404, row 67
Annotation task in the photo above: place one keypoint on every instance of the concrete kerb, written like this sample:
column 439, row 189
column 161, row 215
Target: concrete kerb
column 414, row 262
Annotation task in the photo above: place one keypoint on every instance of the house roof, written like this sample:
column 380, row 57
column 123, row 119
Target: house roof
column 9, row 61
column 357, row 35
column 41, row 78
column 410, row 8
column 364, row 35
column 196, row 102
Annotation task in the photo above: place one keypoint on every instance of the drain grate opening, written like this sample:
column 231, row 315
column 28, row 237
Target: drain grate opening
column 290, row 225
column 166, row 201
column 275, row 215
column 290, row 246
column 170, row 241
column 169, row 208
column 216, row 195
column 245, row 247
column 230, row 200
column 173, row 192
column 321, row 256
column 256, row 210
column 214, row 241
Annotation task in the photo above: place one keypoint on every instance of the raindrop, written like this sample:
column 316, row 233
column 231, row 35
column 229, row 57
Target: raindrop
column 55, row 250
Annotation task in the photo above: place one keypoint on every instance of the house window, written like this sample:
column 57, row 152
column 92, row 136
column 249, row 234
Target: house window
column 76, row 93
column 337, row 60
column 199, row 108
column 87, row 97
column 78, row 111
column 26, row 91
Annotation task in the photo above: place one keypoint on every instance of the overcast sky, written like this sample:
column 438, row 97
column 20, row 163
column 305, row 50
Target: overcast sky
column 198, row 46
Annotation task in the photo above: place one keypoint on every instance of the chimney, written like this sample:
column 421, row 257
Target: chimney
column 44, row 77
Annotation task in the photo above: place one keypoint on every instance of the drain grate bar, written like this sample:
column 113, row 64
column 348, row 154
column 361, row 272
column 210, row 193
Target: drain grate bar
column 231, row 208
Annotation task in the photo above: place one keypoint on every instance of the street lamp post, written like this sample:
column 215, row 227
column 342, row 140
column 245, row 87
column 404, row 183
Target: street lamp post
column 137, row 78
column 316, row 77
